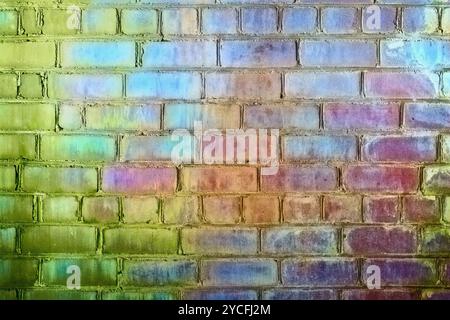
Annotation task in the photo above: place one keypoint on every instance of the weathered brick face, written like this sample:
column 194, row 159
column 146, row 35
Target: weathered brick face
column 92, row 91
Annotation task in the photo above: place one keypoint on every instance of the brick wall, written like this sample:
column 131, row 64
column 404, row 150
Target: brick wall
column 92, row 91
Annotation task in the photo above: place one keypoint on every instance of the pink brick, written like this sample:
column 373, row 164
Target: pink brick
column 382, row 209
column 420, row 209
column 361, row 116
column 301, row 209
column 261, row 209
column 222, row 210
column 132, row 180
column 369, row 178
column 342, row 208
column 294, row 179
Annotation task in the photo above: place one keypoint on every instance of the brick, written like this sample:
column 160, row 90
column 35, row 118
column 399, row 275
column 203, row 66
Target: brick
column 401, row 85
column 304, row 116
column 259, row 20
column 59, row 239
column 446, row 271
column 7, row 240
column 446, row 84
column 8, row 295
column 18, row 272
column 30, row 23
column 305, row 240
column 136, row 180
column 338, row 53
column 8, row 22
column 16, row 208
column 69, row 117
column 340, row 20
column 140, row 241
column 139, row 21
column 297, row 179
column 27, row 117
column 364, row 178
column 403, row 272
column 258, row 54
column 181, row 210
column 322, row 84
column 220, row 294
column 319, row 148
column 52, row 294
column 8, row 178
column 385, row 294
column 415, row 53
column 242, row 272
column 435, row 294
column 388, row 20
column 219, row 241
column 56, row 22
column 427, row 115
column 118, row 118
column 219, row 179
column 157, row 273
column 31, row 86
column 94, row 272
column 8, row 85
column 342, row 208
column 78, row 148
column 243, row 85
column 420, row 209
column 60, row 209
column 168, row 85
column 99, row 21
column 180, row 54
column 297, row 209
column 261, row 209
column 85, row 86
column 316, row 272
column 361, row 116
column 160, row 295
column 63, row 179
column 140, row 210
column 299, row 20
column 219, row 21
column 380, row 240
column 446, row 20
column 100, row 210
column 436, row 179
column 446, row 209
column 445, row 151
column 89, row 54
column 180, row 21
column 383, row 209
column 399, row 148
column 299, row 294
column 211, row 116
column 222, row 210
column 435, row 240
column 420, row 20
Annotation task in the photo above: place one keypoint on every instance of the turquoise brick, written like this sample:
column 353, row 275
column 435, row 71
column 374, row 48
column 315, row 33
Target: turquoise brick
column 138, row 21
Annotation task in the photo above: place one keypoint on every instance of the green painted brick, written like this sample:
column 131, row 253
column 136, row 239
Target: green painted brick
column 17, row 146
column 30, row 21
column 18, row 272
column 69, row 117
column 27, row 54
column 7, row 240
column 446, row 209
column 52, row 179
column 77, row 147
column 48, row 294
column 8, row 295
column 436, row 179
column 7, row 178
column 60, row 209
column 8, row 85
column 56, row 22
column 121, row 295
column 29, row 117
column 160, row 295
column 140, row 210
column 100, row 210
column 93, row 272
column 16, row 208
column 181, row 210
column 140, row 241
column 8, row 22
column 30, row 85
column 59, row 239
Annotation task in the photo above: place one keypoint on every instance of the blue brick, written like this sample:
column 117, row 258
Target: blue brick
column 259, row 20
column 220, row 21
column 299, row 294
column 446, row 82
column 224, row 294
column 170, row 85
column 8, row 22
column 420, row 20
column 415, row 53
column 180, row 54
column 323, row 148
column 339, row 20
column 388, row 20
column 138, row 21
column 322, row 84
column 98, row 54
column 299, row 20
column 253, row 54
column 338, row 53
column 427, row 116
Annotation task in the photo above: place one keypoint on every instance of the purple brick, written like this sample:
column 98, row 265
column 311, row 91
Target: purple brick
column 420, row 20
column 436, row 294
column 299, row 20
column 299, row 294
column 319, row 148
column 381, row 209
column 384, row 294
column 427, row 115
column 220, row 21
column 327, row 272
column 339, row 20
column 220, row 294
column 388, row 20
column 259, row 20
